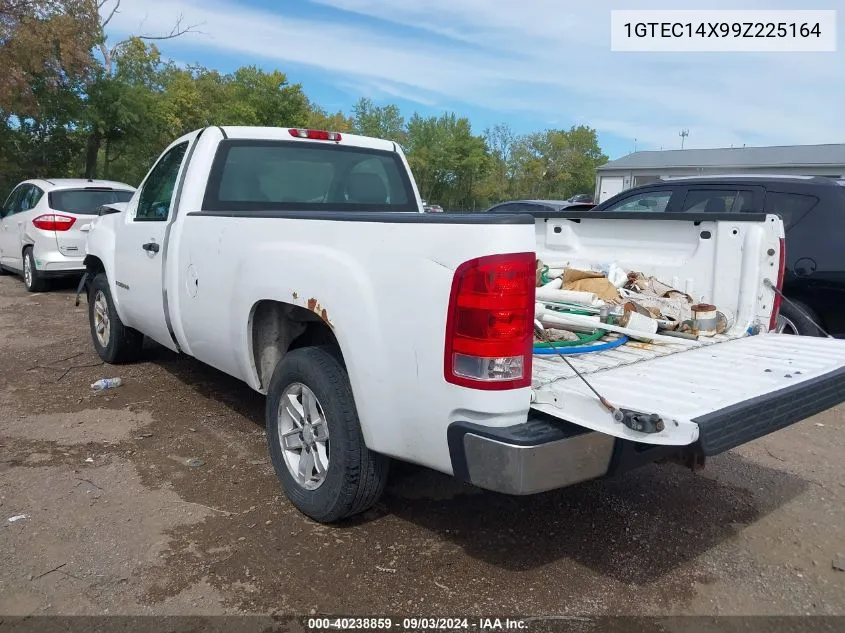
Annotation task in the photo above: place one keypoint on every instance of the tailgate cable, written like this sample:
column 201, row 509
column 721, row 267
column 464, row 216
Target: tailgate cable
column 632, row 419
column 769, row 284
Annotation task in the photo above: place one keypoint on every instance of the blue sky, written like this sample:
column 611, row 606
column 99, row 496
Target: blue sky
column 532, row 64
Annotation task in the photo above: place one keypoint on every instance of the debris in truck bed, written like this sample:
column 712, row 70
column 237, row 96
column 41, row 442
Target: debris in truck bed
column 554, row 334
column 632, row 303
column 589, row 281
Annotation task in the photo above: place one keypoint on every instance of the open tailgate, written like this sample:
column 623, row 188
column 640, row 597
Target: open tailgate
column 721, row 394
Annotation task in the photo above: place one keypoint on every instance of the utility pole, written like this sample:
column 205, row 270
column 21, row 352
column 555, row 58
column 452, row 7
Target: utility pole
column 683, row 134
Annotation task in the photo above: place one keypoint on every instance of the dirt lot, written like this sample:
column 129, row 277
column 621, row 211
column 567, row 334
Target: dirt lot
column 118, row 522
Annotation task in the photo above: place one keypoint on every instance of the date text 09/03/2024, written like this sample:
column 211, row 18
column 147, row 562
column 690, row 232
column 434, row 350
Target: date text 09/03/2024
column 416, row 624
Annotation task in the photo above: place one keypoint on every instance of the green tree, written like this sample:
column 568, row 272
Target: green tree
column 68, row 112
column 557, row 163
column 255, row 97
column 387, row 122
column 319, row 119
column 45, row 54
column 448, row 161
column 106, row 122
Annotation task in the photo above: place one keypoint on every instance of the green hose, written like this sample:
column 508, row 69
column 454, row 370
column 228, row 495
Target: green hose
column 583, row 339
column 571, row 310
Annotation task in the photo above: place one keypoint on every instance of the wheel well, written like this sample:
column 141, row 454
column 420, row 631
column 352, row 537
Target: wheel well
column 94, row 264
column 277, row 327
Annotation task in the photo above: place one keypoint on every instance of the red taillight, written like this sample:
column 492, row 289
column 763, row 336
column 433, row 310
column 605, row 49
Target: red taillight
column 490, row 324
column 53, row 222
column 777, row 300
column 316, row 135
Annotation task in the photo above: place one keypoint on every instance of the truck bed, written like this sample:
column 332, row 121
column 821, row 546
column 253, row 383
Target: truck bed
column 551, row 368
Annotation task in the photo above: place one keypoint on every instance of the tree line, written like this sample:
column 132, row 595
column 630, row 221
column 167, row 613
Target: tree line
column 73, row 104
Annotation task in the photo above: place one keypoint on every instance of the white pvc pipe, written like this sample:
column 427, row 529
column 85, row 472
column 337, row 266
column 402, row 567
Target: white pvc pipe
column 570, row 321
column 588, row 324
column 554, row 284
column 566, row 296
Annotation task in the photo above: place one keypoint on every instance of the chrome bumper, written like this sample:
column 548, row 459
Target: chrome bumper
column 528, row 458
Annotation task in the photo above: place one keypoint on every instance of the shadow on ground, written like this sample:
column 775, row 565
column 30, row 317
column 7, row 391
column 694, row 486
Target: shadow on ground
column 634, row 528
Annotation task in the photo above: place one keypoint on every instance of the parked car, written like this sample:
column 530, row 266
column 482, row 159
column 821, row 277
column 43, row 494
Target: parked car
column 44, row 224
column 581, row 198
column 112, row 207
column 813, row 213
column 536, row 206
column 431, row 208
column 379, row 332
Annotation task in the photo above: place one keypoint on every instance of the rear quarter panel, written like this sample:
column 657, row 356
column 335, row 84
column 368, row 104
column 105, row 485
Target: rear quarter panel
column 383, row 287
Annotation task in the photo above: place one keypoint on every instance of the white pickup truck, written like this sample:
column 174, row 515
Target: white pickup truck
column 300, row 262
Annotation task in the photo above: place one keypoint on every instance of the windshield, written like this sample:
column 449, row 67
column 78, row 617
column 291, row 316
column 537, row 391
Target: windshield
column 86, row 201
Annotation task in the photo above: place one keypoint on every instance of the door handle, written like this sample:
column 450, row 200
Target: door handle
column 150, row 247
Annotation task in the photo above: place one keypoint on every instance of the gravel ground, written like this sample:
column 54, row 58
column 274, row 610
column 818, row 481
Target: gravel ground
column 117, row 522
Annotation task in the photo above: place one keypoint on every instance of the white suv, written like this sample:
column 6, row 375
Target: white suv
column 44, row 223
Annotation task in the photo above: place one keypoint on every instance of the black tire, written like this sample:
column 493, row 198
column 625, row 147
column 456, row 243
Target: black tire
column 800, row 319
column 355, row 476
column 123, row 343
column 35, row 282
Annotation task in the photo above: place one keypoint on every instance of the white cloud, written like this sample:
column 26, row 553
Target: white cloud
column 547, row 57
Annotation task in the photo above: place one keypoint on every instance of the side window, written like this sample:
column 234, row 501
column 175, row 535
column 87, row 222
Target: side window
column 157, row 191
column 13, row 201
column 791, row 207
column 649, row 201
column 717, row 201
column 30, row 198
column 25, row 201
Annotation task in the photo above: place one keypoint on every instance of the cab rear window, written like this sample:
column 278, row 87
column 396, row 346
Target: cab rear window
column 250, row 175
column 86, row 201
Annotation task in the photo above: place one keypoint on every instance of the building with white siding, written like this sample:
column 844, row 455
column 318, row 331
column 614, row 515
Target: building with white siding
column 642, row 168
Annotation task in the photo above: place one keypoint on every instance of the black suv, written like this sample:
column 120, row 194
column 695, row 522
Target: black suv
column 813, row 213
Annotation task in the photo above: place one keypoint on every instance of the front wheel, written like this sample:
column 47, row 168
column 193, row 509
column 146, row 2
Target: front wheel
column 315, row 439
column 114, row 342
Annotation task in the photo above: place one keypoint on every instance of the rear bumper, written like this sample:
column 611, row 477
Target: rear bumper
column 52, row 263
column 528, row 458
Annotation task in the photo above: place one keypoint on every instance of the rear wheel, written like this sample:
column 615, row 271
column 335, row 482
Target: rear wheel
column 32, row 279
column 115, row 343
column 798, row 319
column 315, row 439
